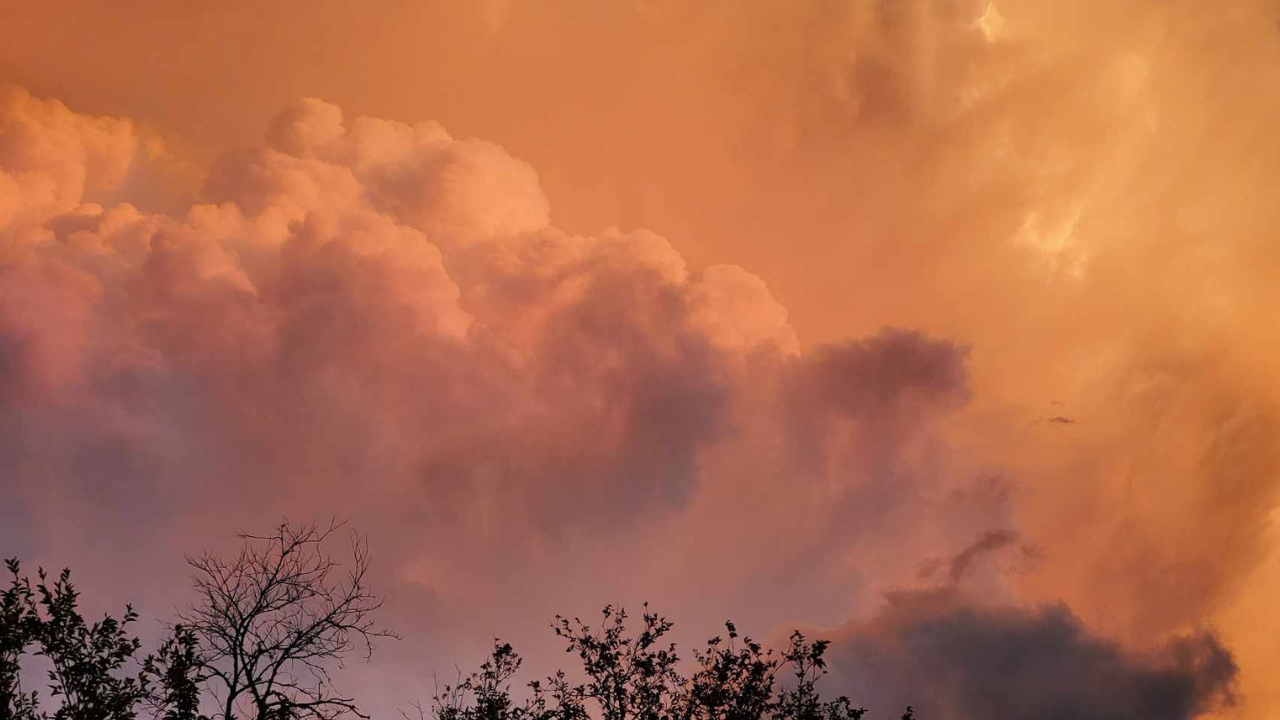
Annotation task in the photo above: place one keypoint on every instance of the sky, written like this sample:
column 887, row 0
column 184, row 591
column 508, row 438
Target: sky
column 946, row 330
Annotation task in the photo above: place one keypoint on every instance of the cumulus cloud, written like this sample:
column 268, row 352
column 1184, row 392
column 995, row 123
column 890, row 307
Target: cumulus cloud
column 376, row 317
column 51, row 158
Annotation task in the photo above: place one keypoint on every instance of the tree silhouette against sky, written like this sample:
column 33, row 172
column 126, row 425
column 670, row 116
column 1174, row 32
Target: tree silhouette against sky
column 272, row 623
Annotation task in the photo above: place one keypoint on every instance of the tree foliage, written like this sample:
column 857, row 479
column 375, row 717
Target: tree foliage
column 638, row 677
column 19, row 628
column 93, row 670
column 176, row 676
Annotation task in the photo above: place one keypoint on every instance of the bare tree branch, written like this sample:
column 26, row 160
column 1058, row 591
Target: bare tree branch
column 276, row 618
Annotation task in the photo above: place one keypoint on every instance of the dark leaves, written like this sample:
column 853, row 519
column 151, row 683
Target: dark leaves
column 635, row 677
column 87, row 660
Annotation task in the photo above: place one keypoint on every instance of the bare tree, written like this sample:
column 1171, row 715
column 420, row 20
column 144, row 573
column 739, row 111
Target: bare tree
column 274, row 620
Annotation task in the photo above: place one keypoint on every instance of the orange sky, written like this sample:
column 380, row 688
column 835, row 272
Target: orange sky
column 582, row 301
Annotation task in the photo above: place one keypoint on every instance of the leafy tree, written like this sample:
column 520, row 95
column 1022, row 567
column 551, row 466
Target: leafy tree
column 87, row 660
column 734, row 680
column 638, row 678
column 175, row 677
column 89, row 663
column 629, row 678
column 19, row 628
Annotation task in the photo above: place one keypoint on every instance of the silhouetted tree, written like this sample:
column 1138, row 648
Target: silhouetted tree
column 272, row 621
column 87, row 661
column 275, row 619
column 175, row 677
column 19, row 628
column 637, row 678
column 734, row 680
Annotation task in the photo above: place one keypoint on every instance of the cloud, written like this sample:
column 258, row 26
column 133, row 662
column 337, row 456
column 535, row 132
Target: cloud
column 52, row 158
column 954, row 659
column 379, row 318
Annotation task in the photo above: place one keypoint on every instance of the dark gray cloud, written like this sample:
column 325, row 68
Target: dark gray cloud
column 955, row 659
